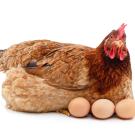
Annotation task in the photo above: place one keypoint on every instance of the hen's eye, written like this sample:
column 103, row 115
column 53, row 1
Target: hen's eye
column 124, row 50
column 111, row 36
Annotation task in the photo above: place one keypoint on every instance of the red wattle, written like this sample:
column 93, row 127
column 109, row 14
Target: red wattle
column 122, row 56
column 112, row 53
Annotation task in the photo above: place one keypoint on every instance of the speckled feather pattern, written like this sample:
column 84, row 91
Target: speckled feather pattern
column 25, row 92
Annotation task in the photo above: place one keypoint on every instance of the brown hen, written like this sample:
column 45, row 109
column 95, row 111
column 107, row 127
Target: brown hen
column 44, row 76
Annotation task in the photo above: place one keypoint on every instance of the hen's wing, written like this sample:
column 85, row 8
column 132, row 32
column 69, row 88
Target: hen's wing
column 66, row 67
column 61, row 65
column 23, row 53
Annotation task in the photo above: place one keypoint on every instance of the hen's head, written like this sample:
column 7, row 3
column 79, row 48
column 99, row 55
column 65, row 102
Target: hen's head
column 115, row 44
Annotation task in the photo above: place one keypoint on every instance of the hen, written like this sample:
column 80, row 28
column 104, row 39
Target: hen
column 44, row 76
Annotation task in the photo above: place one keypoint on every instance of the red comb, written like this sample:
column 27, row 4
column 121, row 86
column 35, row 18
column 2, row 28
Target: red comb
column 121, row 30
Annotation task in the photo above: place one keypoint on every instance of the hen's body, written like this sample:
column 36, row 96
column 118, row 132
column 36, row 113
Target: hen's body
column 50, row 74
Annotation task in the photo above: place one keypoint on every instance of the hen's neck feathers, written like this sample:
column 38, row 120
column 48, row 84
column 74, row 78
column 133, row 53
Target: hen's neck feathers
column 107, row 72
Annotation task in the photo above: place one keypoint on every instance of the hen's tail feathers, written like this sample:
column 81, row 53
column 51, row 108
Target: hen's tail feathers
column 1, row 61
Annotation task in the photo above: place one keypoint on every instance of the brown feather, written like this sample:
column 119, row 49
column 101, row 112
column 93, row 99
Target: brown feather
column 108, row 72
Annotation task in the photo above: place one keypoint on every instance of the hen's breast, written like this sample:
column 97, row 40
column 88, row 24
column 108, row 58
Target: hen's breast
column 65, row 67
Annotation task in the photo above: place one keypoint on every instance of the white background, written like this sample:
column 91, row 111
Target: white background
column 77, row 21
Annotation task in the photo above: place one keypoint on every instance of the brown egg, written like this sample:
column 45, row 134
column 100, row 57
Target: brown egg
column 103, row 108
column 125, row 108
column 79, row 107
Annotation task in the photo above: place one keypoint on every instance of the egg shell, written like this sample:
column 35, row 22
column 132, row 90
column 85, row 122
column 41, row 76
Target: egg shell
column 79, row 107
column 125, row 109
column 103, row 108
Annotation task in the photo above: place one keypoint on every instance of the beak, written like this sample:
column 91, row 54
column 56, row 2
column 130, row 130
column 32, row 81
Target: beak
column 118, row 43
